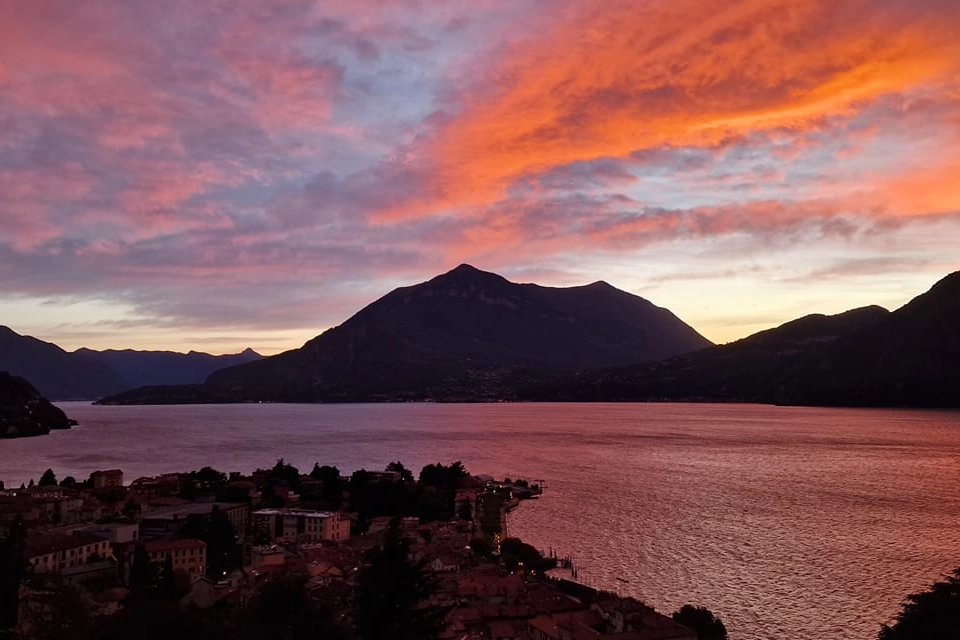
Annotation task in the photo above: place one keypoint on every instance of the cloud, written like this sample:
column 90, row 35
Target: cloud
column 616, row 79
column 213, row 164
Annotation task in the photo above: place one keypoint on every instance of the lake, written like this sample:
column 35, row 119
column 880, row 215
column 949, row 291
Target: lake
column 787, row 522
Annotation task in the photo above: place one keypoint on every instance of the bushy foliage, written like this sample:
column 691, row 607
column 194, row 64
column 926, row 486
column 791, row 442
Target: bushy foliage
column 701, row 620
column 516, row 554
column 930, row 615
column 443, row 476
column 393, row 594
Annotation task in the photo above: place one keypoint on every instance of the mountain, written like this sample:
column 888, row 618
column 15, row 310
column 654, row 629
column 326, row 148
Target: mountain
column 459, row 335
column 56, row 373
column 24, row 412
column 86, row 374
column 864, row 357
column 758, row 368
column 912, row 358
column 142, row 368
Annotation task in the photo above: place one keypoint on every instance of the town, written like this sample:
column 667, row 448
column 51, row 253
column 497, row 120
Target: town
column 376, row 554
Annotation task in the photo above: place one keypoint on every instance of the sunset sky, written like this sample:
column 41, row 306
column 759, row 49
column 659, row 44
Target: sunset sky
column 217, row 174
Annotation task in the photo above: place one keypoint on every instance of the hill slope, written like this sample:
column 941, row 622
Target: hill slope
column 86, row 374
column 24, row 412
column 56, row 373
column 142, row 368
column 758, row 368
column 864, row 357
column 912, row 358
column 456, row 336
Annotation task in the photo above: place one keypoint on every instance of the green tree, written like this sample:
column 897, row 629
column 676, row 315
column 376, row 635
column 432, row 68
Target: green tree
column 930, row 615
column 701, row 620
column 48, row 479
column 393, row 594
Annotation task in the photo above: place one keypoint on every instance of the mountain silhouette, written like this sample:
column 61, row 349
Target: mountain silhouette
column 865, row 357
column 458, row 335
column 86, row 374
column 24, row 412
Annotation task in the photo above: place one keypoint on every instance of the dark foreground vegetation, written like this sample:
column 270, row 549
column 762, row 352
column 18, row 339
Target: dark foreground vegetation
column 933, row 614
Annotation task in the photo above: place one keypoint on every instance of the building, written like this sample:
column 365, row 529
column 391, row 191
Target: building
column 109, row 479
column 491, row 517
column 188, row 555
column 55, row 552
column 301, row 525
column 170, row 520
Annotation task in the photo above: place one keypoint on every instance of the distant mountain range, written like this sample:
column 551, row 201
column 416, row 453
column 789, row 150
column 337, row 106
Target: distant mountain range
column 460, row 336
column 86, row 374
column 470, row 335
column 24, row 412
column 864, row 357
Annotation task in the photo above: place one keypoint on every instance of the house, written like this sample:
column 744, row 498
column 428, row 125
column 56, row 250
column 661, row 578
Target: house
column 270, row 555
column 188, row 555
column 109, row 479
column 54, row 552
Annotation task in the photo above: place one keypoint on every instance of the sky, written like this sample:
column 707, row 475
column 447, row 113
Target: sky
column 218, row 174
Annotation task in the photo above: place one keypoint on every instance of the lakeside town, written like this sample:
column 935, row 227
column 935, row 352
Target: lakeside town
column 217, row 549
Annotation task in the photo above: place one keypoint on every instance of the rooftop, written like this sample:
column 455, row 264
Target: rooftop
column 294, row 512
column 191, row 508
column 40, row 545
column 160, row 546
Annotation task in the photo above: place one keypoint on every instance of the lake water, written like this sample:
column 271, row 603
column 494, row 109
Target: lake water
column 789, row 523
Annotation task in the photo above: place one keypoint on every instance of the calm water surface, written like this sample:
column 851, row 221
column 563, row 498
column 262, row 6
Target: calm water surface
column 789, row 523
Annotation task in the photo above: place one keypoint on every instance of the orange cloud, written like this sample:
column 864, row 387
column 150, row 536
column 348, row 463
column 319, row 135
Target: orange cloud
column 616, row 77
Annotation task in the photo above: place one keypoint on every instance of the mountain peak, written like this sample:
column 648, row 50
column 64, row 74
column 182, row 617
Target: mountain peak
column 468, row 274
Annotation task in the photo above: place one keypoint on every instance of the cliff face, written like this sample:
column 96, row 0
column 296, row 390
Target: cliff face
column 24, row 412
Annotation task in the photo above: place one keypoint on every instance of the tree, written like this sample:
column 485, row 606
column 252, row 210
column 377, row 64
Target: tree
column 516, row 554
column 930, row 615
column 48, row 479
column 221, row 544
column 405, row 474
column 701, row 620
column 393, row 594
column 332, row 492
column 283, row 607
column 13, row 566
column 63, row 613
column 439, row 475
column 141, row 576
